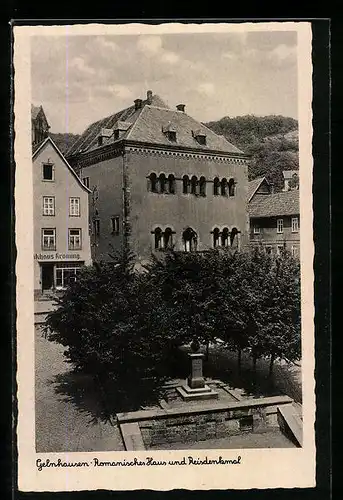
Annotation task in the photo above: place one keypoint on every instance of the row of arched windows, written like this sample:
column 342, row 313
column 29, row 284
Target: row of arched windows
column 194, row 185
column 162, row 183
column 224, row 238
column 190, row 185
column 223, row 186
column 163, row 239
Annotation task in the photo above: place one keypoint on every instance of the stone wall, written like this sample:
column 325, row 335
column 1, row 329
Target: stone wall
column 210, row 422
column 200, row 427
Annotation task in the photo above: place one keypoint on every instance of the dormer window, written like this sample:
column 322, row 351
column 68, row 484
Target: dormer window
column 119, row 129
column 172, row 136
column 169, row 131
column 199, row 136
column 105, row 133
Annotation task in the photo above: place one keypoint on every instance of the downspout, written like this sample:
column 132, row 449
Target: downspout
column 126, row 204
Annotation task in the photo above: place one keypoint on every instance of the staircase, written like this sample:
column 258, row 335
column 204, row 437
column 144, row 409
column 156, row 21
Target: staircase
column 290, row 422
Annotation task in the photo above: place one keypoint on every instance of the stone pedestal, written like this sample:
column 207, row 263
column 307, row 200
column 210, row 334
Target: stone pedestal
column 196, row 379
column 196, row 389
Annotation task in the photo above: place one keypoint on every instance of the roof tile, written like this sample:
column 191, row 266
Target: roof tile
column 148, row 123
column 253, row 186
column 277, row 204
column 152, row 121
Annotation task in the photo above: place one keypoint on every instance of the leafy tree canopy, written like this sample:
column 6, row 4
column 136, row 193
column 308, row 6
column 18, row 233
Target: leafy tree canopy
column 122, row 325
column 272, row 141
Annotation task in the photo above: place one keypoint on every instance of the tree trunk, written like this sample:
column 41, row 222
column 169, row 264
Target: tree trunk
column 254, row 360
column 239, row 359
column 271, row 364
column 207, row 350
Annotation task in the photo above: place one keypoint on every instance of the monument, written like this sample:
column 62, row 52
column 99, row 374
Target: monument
column 195, row 387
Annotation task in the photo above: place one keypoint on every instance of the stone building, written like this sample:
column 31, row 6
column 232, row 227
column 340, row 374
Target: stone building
column 61, row 220
column 161, row 179
column 39, row 125
column 274, row 217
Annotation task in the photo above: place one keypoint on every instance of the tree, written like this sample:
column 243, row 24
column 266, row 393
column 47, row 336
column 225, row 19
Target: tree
column 113, row 327
column 272, row 142
column 121, row 326
column 264, row 297
column 189, row 291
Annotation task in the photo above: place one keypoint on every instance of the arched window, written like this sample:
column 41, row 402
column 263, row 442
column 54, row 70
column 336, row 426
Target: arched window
column 223, row 186
column 215, row 233
column 234, row 237
column 168, row 238
column 153, row 182
column 190, row 239
column 185, row 184
column 158, row 238
column 225, row 237
column 216, row 184
column 202, row 186
column 162, row 179
column 231, row 187
column 194, row 183
column 171, row 184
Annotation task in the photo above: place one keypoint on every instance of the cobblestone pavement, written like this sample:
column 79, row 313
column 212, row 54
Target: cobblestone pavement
column 68, row 416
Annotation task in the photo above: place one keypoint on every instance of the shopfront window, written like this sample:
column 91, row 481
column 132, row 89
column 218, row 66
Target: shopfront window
column 66, row 273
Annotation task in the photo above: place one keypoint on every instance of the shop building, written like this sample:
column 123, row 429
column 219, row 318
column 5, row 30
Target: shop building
column 61, row 220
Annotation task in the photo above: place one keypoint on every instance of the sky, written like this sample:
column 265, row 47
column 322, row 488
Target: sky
column 81, row 79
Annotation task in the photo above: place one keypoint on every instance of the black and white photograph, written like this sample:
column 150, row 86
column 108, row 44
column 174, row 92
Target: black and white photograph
column 167, row 176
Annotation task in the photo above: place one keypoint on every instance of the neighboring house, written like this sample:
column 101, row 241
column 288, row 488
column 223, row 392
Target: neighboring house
column 161, row 179
column 39, row 125
column 290, row 176
column 61, row 220
column 274, row 217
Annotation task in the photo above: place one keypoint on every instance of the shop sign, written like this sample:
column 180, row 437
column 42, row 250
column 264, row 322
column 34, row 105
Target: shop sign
column 56, row 256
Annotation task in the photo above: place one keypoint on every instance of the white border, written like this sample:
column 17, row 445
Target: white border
column 269, row 468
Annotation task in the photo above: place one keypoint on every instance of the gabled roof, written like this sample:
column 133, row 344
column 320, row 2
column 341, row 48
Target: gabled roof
column 149, row 129
column 254, row 185
column 47, row 141
column 273, row 205
column 88, row 140
column 147, row 126
column 36, row 146
column 35, row 110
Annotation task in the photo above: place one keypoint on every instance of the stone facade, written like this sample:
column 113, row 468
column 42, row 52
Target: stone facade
column 120, row 172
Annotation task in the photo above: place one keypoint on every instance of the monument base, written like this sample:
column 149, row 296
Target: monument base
column 197, row 394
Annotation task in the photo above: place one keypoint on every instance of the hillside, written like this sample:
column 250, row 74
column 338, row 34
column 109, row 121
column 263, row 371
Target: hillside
column 272, row 142
column 64, row 141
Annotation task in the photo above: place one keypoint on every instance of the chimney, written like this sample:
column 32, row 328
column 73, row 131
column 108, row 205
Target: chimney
column 149, row 97
column 181, row 107
column 271, row 187
column 138, row 103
